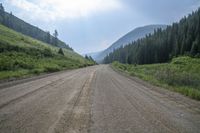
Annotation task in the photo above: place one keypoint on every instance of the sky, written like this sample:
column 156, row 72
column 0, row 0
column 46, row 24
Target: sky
column 93, row 25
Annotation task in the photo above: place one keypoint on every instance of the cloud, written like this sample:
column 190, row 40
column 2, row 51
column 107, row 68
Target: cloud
column 52, row 10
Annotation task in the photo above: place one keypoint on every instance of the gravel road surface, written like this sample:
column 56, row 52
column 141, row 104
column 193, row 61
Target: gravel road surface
column 94, row 100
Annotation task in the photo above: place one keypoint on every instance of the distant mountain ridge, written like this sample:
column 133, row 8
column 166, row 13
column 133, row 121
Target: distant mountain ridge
column 132, row 36
column 17, row 24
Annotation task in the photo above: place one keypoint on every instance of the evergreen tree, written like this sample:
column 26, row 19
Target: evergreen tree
column 86, row 57
column 60, row 51
column 179, row 39
column 1, row 7
column 55, row 34
column 48, row 37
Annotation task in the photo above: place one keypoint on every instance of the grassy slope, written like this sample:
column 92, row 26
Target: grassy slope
column 181, row 75
column 21, row 55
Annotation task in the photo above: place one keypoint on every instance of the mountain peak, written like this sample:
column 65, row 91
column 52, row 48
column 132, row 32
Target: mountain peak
column 131, row 36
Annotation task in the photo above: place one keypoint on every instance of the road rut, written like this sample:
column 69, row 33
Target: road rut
column 95, row 100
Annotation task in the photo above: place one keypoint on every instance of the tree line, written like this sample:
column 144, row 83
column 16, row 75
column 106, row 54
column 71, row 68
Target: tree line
column 182, row 38
column 11, row 21
column 90, row 59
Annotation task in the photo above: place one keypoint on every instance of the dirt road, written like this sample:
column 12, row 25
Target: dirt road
column 95, row 100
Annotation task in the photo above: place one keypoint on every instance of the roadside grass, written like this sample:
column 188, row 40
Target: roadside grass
column 181, row 75
column 21, row 56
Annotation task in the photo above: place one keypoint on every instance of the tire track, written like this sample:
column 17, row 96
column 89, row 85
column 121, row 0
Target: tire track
column 77, row 117
column 46, row 86
column 141, row 110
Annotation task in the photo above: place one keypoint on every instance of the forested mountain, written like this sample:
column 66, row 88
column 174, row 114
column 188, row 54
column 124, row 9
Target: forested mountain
column 128, row 38
column 182, row 38
column 11, row 21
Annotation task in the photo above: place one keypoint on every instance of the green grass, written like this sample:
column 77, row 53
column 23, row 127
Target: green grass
column 181, row 75
column 21, row 56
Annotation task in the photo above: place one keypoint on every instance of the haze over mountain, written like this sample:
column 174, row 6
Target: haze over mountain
column 92, row 25
column 133, row 35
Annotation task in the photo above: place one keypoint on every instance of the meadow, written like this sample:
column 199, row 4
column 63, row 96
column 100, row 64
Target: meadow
column 22, row 56
column 181, row 75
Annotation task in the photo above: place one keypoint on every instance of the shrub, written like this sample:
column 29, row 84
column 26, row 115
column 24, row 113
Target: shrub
column 53, row 68
column 47, row 53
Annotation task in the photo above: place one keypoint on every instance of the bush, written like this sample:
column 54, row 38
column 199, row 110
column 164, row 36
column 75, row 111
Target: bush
column 52, row 68
column 37, row 71
column 172, row 77
column 47, row 53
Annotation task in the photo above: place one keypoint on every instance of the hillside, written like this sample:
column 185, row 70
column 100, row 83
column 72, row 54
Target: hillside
column 181, row 38
column 128, row 38
column 21, row 56
column 17, row 24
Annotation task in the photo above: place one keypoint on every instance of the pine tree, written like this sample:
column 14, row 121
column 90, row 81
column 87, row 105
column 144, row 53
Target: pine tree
column 48, row 37
column 55, row 34
column 60, row 51
column 1, row 7
column 86, row 57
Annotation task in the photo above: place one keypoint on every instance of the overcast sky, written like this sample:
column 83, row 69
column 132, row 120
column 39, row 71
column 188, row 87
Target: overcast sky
column 92, row 25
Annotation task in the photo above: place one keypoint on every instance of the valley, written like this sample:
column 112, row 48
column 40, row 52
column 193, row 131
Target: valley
column 147, row 81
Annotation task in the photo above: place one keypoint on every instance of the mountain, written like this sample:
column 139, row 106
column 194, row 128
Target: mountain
column 11, row 21
column 21, row 55
column 128, row 38
column 178, row 39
